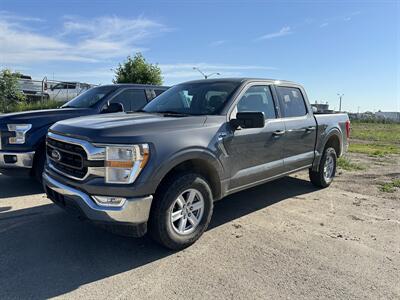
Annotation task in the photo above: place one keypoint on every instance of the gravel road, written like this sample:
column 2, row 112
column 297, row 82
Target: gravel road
column 285, row 239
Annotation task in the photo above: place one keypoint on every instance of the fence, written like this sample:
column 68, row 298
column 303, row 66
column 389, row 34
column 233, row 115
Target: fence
column 46, row 93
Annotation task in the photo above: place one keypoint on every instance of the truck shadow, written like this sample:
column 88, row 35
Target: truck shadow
column 15, row 187
column 47, row 253
column 245, row 202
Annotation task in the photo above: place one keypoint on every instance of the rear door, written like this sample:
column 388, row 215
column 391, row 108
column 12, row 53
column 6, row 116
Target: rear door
column 255, row 154
column 300, row 127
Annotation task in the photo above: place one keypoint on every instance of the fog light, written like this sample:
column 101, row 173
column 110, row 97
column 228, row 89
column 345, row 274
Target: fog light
column 10, row 159
column 109, row 201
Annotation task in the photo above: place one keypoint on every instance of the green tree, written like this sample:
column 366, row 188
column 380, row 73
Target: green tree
column 10, row 95
column 138, row 70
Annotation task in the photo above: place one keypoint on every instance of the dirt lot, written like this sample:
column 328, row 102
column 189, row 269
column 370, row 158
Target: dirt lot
column 284, row 239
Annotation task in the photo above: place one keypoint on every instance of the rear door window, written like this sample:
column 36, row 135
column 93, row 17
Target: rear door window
column 159, row 92
column 291, row 102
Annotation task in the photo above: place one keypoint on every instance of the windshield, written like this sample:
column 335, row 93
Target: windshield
column 202, row 98
column 90, row 98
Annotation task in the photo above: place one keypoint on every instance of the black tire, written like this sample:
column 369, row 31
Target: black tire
column 38, row 164
column 317, row 177
column 160, row 226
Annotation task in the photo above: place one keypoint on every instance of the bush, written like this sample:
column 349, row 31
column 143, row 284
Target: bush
column 10, row 95
column 137, row 70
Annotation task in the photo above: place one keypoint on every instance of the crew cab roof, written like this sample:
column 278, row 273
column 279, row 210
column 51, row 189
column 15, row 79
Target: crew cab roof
column 242, row 80
column 144, row 86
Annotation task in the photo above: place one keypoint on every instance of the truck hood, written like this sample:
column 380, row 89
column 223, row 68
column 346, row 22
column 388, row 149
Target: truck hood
column 122, row 127
column 40, row 118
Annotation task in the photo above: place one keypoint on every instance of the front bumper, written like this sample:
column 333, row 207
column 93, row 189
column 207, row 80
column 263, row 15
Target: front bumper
column 132, row 217
column 10, row 160
column 16, row 164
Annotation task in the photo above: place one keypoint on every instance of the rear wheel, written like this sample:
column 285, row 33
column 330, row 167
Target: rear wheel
column 327, row 169
column 181, row 211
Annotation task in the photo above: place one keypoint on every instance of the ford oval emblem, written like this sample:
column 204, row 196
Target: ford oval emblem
column 56, row 155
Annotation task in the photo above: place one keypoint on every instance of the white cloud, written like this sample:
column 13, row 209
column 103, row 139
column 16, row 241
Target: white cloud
column 217, row 43
column 282, row 32
column 339, row 18
column 5, row 15
column 91, row 40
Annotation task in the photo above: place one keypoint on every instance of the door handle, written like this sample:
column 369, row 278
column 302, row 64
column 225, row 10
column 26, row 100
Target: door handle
column 221, row 136
column 278, row 133
column 310, row 128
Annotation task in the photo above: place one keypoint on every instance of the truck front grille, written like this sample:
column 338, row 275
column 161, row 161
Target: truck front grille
column 69, row 159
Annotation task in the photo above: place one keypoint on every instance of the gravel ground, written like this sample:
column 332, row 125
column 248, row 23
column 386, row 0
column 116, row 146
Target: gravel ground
column 284, row 239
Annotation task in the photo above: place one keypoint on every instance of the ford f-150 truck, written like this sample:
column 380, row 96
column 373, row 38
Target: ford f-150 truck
column 161, row 169
column 22, row 134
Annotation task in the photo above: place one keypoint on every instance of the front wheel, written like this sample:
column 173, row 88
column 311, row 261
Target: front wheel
column 181, row 211
column 327, row 169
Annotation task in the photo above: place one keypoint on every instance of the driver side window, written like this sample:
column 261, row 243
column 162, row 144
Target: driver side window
column 257, row 99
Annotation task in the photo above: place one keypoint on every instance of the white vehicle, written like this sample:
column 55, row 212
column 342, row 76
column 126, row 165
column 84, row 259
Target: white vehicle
column 32, row 89
column 65, row 91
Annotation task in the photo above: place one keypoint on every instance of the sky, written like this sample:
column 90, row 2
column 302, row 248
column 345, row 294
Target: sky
column 331, row 47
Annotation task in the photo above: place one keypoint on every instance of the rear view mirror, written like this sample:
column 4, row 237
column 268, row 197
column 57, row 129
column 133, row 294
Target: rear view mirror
column 113, row 108
column 248, row 120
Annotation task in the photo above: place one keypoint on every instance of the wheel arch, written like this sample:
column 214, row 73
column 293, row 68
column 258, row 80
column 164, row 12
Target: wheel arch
column 204, row 164
column 332, row 139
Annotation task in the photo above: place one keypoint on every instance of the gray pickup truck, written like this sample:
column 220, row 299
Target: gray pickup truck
column 161, row 169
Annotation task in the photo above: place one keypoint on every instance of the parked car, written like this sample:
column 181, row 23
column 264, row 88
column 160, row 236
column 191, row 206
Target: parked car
column 32, row 89
column 161, row 169
column 22, row 134
column 65, row 91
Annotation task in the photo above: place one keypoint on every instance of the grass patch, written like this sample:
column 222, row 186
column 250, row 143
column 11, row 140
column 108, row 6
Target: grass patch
column 389, row 187
column 373, row 149
column 34, row 106
column 345, row 164
column 376, row 132
column 375, row 139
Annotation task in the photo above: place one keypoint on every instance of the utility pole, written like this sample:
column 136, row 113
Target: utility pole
column 340, row 101
column 206, row 76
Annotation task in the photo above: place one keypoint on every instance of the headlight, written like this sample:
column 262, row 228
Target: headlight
column 20, row 132
column 124, row 163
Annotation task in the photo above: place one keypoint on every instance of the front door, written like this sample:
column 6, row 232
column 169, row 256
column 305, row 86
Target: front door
column 255, row 154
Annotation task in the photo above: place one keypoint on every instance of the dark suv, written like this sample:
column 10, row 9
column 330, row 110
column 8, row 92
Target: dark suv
column 22, row 134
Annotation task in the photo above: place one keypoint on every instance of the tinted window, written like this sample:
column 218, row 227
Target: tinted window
column 258, row 99
column 71, row 86
column 201, row 98
column 291, row 102
column 65, row 86
column 132, row 100
column 158, row 92
column 91, row 97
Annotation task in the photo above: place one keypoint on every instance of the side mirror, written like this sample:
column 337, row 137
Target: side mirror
column 248, row 120
column 314, row 109
column 113, row 108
